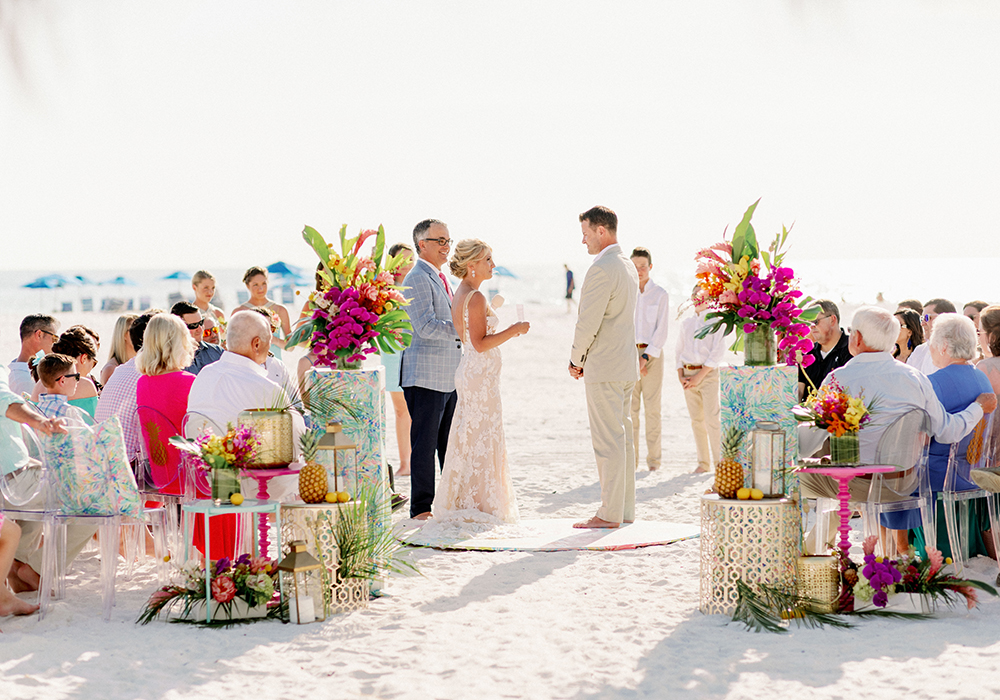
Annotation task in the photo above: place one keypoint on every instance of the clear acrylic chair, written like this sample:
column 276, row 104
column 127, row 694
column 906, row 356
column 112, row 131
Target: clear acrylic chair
column 978, row 450
column 33, row 492
column 904, row 445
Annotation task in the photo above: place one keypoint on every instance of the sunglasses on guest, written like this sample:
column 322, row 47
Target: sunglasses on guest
column 192, row 326
column 75, row 375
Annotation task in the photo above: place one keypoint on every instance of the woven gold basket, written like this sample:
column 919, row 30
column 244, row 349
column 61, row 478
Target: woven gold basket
column 819, row 578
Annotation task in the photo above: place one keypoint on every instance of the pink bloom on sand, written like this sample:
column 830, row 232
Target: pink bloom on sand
column 971, row 599
column 223, row 589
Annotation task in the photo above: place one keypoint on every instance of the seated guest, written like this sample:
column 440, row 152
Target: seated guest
column 59, row 377
column 898, row 388
column 989, row 340
column 211, row 334
column 277, row 371
column 238, row 381
column 164, row 385
column 914, row 304
column 829, row 347
column 80, row 346
column 957, row 384
column 205, row 353
column 921, row 358
column 972, row 310
column 118, row 397
column 38, row 332
column 911, row 334
column 14, row 410
column 121, row 347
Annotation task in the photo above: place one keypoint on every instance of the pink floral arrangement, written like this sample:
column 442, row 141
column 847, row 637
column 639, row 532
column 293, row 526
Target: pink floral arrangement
column 742, row 295
column 250, row 579
column 358, row 310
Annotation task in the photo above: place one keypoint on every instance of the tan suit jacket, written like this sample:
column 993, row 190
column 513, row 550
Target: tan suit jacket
column 604, row 343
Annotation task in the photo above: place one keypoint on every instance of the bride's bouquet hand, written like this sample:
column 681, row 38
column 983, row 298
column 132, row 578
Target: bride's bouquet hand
column 520, row 328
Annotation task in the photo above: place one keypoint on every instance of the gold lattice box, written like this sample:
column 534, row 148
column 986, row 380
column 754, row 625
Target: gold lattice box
column 314, row 524
column 757, row 541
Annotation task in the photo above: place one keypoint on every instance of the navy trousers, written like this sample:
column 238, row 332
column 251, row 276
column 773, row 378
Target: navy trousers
column 430, row 412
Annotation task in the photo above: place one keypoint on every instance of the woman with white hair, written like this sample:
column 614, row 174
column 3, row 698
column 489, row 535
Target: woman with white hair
column 957, row 384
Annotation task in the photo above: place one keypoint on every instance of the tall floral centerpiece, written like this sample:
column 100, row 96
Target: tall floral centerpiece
column 832, row 408
column 357, row 310
column 760, row 302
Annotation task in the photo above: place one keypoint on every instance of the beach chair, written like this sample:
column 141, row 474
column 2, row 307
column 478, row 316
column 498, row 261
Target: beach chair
column 67, row 307
column 145, row 302
column 48, row 487
column 287, row 294
column 904, row 445
column 173, row 298
column 978, row 450
column 87, row 304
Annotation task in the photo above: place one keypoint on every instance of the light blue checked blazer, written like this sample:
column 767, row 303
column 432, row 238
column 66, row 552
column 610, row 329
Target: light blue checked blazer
column 432, row 358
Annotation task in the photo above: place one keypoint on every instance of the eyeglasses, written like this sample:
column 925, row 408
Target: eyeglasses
column 443, row 242
column 55, row 336
column 815, row 322
column 192, row 326
column 75, row 375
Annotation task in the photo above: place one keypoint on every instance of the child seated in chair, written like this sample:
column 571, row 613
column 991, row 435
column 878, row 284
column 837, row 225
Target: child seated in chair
column 59, row 377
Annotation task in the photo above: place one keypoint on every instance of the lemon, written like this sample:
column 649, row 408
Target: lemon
column 331, row 497
column 343, row 497
column 743, row 494
column 236, row 499
column 756, row 494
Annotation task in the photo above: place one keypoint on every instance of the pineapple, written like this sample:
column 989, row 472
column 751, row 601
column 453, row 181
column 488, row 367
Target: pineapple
column 312, row 477
column 729, row 472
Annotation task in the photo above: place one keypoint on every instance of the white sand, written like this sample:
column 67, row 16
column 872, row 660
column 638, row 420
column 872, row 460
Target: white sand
column 512, row 624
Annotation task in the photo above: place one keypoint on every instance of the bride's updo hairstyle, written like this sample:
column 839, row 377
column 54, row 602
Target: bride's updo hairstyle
column 466, row 252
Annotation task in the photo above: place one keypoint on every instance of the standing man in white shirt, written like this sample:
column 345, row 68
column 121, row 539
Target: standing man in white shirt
column 698, row 372
column 652, row 314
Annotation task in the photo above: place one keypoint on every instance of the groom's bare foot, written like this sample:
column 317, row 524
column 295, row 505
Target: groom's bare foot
column 423, row 516
column 594, row 523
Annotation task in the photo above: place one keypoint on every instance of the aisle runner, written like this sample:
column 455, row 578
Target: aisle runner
column 550, row 535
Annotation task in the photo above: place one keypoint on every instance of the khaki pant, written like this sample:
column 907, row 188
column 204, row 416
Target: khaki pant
column 647, row 391
column 611, row 433
column 28, row 549
column 703, row 407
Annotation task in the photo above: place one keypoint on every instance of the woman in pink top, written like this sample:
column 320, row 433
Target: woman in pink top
column 162, row 400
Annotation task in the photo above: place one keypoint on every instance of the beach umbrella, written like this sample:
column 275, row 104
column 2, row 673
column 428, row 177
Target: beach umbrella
column 179, row 275
column 501, row 271
column 121, row 281
column 53, row 281
column 83, row 279
column 284, row 269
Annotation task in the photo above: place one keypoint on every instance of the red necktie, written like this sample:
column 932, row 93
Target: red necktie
column 446, row 287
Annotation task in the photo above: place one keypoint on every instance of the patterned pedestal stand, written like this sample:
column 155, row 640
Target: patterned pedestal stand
column 757, row 541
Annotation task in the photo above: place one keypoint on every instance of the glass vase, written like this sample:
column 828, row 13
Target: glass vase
column 342, row 363
column 225, row 482
column 760, row 348
column 845, row 449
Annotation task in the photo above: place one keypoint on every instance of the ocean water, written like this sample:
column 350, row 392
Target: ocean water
column 850, row 283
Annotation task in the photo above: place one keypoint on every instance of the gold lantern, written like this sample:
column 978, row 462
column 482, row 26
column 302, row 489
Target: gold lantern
column 340, row 457
column 302, row 585
column 276, row 448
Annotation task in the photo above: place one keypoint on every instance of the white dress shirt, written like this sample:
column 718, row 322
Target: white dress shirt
column 920, row 359
column 898, row 388
column 652, row 314
column 233, row 384
column 707, row 351
column 20, row 380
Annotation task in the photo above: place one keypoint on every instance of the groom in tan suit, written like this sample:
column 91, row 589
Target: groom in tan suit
column 604, row 355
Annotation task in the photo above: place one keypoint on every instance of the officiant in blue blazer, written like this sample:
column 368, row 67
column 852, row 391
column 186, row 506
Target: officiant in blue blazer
column 427, row 374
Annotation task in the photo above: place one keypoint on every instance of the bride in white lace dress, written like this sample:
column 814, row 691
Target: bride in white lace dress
column 475, row 485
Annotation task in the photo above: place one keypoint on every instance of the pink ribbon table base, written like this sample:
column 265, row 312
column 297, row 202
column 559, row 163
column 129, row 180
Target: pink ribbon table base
column 262, row 476
column 843, row 475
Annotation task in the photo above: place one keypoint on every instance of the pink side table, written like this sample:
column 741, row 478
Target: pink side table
column 843, row 474
column 262, row 476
